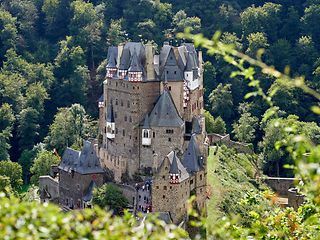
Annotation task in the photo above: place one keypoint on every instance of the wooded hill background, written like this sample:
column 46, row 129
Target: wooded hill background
column 52, row 59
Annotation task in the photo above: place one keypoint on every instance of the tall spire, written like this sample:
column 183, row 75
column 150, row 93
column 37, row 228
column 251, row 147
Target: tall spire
column 174, row 165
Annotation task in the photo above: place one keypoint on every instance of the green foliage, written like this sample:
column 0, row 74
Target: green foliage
column 6, row 126
column 245, row 128
column 209, row 78
column 297, row 140
column 219, row 126
column 181, row 21
column 221, row 101
column 312, row 15
column 42, row 165
column 13, row 171
column 209, row 120
column 278, row 130
column 256, row 41
column 28, row 128
column 230, row 178
column 261, row 19
column 115, row 34
column 70, row 126
column 111, row 197
column 29, row 220
column 26, row 159
column 8, row 30
column 5, row 185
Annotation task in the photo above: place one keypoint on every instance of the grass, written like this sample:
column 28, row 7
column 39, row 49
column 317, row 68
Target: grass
column 230, row 177
column 24, row 188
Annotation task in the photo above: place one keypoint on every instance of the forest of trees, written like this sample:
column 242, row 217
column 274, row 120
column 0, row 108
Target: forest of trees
column 52, row 65
column 53, row 57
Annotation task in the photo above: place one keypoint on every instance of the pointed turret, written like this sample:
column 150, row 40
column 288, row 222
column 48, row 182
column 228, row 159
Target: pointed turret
column 191, row 71
column 135, row 70
column 124, row 63
column 190, row 63
column 112, row 62
column 192, row 159
column 196, row 127
column 174, row 170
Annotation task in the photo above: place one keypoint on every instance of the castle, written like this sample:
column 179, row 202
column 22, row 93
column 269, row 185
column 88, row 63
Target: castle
column 151, row 129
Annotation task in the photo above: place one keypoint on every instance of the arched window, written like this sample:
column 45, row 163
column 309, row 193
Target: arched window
column 145, row 133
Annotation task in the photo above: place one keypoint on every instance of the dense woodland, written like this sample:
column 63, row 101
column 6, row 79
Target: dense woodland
column 52, row 58
column 52, row 65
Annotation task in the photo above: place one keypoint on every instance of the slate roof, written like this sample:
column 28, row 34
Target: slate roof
column 196, row 127
column 128, row 52
column 164, row 113
column 174, row 165
column 190, row 63
column 110, row 114
column 135, row 64
column 112, row 57
column 175, row 60
column 125, row 59
column 84, row 162
column 179, row 166
column 192, row 159
column 89, row 192
column 101, row 98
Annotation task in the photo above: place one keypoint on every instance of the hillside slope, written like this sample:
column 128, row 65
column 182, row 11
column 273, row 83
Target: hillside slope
column 230, row 178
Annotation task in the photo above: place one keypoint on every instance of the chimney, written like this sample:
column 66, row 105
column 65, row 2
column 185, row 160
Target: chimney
column 120, row 48
column 149, row 61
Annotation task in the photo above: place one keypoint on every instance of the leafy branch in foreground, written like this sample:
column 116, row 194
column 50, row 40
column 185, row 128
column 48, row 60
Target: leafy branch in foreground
column 29, row 220
column 274, row 223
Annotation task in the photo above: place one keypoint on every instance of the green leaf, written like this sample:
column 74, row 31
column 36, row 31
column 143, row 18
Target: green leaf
column 315, row 109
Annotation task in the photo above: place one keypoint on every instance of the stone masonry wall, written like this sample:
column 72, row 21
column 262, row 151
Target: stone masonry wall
column 168, row 197
column 131, row 102
column 73, row 187
column 162, row 143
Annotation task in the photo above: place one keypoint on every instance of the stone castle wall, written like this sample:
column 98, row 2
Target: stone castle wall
column 73, row 187
column 168, row 197
column 131, row 102
column 162, row 143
